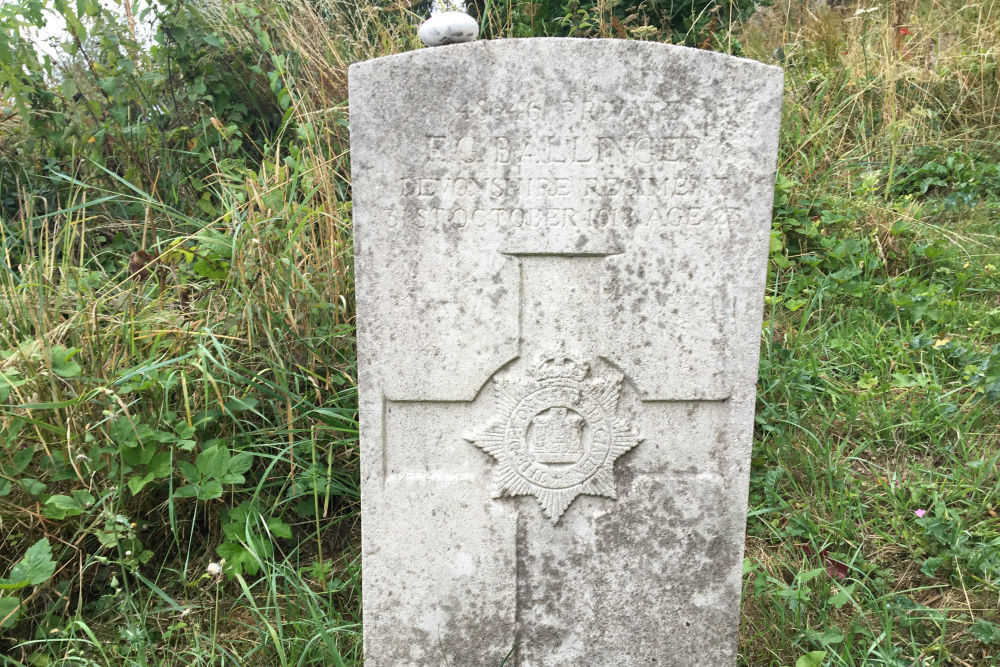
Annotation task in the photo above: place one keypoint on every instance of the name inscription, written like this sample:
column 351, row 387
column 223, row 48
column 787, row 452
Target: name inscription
column 551, row 149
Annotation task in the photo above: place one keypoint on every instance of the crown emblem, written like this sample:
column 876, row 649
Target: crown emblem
column 560, row 367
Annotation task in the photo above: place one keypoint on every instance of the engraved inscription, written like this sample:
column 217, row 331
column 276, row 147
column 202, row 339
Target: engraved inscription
column 557, row 434
column 557, row 150
column 579, row 174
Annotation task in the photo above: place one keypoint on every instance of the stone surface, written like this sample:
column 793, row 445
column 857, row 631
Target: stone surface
column 560, row 255
column 448, row 28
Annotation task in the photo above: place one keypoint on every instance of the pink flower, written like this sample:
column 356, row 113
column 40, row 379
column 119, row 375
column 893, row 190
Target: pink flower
column 920, row 513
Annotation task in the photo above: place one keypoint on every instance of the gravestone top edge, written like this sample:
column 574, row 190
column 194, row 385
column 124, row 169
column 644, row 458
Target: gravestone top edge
column 455, row 50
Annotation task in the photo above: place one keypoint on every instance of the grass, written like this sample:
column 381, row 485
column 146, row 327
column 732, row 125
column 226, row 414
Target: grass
column 873, row 533
column 200, row 405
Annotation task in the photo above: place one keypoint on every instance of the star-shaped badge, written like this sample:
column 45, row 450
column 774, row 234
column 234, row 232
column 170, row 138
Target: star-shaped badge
column 557, row 434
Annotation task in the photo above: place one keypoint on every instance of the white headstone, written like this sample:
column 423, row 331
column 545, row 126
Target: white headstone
column 561, row 252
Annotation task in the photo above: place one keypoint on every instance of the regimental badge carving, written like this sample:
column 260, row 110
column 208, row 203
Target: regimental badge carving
column 557, row 434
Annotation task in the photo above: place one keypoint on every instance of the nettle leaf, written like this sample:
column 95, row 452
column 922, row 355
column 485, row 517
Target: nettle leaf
column 62, row 361
column 189, row 491
column 136, row 483
column 162, row 436
column 238, row 558
column 210, row 490
column 124, row 432
column 184, row 430
column 213, row 462
column 207, row 268
column 279, row 528
column 35, row 568
column 240, row 463
column 986, row 632
column 139, row 455
column 159, row 465
column 234, row 531
column 9, row 611
column 189, row 471
column 32, row 486
column 23, row 458
column 83, row 497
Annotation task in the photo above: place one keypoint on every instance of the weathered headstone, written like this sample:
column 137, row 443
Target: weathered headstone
column 560, row 257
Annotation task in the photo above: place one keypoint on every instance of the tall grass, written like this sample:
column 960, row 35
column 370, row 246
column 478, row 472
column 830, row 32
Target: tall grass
column 873, row 536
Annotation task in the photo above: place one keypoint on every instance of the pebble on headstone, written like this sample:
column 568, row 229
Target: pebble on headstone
column 561, row 251
column 448, row 28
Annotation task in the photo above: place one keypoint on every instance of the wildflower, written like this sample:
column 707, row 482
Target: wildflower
column 214, row 569
column 920, row 513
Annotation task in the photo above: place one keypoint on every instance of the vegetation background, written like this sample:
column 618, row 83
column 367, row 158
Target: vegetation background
column 178, row 453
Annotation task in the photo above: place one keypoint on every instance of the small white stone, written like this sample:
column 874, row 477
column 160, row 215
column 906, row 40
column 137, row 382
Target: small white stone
column 448, row 28
column 214, row 569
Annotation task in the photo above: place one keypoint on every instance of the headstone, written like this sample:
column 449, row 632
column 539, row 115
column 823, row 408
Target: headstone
column 561, row 252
